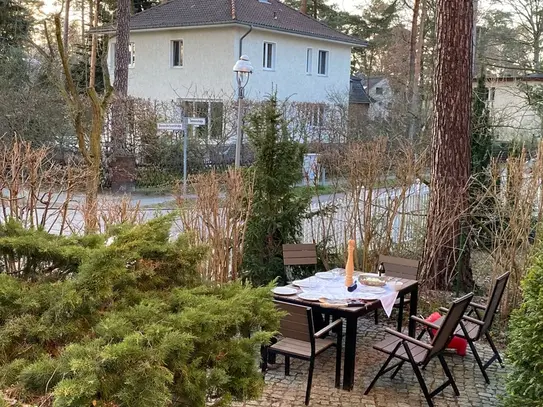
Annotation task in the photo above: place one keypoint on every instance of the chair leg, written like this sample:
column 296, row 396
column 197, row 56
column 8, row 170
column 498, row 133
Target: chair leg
column 309, row 380
column 496, row 353
column 448, row 374
column 397, row 369
column 383, row 368
column 420, row 379
column 478, row 359
column 264, row 358
column 287, row 365
column 376, row 316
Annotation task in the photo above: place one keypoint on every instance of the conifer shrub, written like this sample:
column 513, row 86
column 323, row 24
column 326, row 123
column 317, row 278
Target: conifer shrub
column 525, row 347
column 133, row 325
column 277, row 209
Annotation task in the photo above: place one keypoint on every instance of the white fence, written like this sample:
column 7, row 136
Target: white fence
column 402, row 211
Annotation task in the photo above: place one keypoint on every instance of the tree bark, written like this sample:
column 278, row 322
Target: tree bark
column 412, row 77
column 303, row 6
column 443, row 256
column 66, row 23
column 122, row 172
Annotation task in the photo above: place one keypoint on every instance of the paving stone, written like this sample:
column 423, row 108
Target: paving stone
column 402, row 391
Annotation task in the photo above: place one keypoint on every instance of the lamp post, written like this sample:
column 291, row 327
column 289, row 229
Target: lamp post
column 243, row 70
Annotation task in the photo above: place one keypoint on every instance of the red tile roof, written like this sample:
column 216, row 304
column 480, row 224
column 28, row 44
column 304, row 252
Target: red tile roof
column 270, row 14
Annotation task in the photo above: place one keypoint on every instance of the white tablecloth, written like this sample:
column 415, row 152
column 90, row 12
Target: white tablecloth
column 334, row 289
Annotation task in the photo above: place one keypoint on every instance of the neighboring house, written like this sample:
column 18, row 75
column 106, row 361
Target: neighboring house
column 511, row 106
column 359, row 104
column 379, row 90
column 184, row 50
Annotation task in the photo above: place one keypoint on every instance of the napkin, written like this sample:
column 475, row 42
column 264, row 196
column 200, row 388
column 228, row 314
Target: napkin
column 387, row 301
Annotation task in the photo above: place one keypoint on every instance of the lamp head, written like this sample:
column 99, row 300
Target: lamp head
column 243, row 65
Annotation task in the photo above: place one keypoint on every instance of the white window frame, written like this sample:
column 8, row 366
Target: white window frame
column 181, row 51
column 265, row 55
column 327, row 64
column 309, row 61
column 132, row 54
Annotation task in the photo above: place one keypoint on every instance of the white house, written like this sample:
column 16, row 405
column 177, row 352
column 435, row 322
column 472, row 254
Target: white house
column 512, row 101
column 379, row 90
column 185, row 50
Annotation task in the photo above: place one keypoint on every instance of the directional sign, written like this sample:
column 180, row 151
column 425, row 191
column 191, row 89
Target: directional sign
column 198, row 121
column 170, row 126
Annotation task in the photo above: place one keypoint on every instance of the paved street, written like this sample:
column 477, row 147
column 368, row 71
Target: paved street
column 403, row 391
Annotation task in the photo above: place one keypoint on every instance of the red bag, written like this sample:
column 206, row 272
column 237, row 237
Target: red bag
column 457, row 343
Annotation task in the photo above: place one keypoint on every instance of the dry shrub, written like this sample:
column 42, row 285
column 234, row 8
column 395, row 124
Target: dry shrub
column 508, row 210
column 383, row 203
column 218, row 219
column 37, row 190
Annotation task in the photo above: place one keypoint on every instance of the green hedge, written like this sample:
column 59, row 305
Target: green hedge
column 134, row 326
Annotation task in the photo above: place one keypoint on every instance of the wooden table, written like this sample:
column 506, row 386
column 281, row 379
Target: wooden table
column 351, row 315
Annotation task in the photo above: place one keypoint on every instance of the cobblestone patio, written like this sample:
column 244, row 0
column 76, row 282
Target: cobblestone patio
column 403, row 391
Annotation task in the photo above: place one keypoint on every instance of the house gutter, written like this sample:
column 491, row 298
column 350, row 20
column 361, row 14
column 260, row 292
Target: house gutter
column 241, row 40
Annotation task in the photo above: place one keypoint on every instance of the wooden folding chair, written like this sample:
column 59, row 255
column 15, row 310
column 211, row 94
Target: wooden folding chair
column 299, row 340
column 418, row 353
column 397, row 267
column 476, row 328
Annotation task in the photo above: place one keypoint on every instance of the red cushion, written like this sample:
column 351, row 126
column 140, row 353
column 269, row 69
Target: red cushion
column 457, row 343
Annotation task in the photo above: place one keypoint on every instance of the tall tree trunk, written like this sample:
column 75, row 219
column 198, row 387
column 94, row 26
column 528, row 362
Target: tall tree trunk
column 303, row 6
column 417, row 102
column 122, row 170
column 66, row 24
column 412, row 78
column 443, row 255
column 315, row 9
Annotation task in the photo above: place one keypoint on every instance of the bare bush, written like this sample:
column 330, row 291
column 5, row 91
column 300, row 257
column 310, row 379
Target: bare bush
column 218, row 219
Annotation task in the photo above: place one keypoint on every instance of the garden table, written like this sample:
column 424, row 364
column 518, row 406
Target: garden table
column 351, row 315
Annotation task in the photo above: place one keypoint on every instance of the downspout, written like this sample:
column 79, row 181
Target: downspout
column 241, row 40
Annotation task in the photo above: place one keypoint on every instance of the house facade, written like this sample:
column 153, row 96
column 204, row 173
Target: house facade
column 185, row 50
column 511, row 102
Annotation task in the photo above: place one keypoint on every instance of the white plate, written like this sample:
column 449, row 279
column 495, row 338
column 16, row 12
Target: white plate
column 309, row 296
column 306, row 282
column 284, row 291
column 325, row 275
column 372, row 290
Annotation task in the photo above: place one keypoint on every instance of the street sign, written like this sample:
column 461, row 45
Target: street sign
column 170, row 126
column 197, row 121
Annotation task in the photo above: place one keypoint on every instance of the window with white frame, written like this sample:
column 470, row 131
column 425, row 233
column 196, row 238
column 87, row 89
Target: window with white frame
column 309, row 61
column 132, row 55
column 177, row 53
column 323, row 63
column 268, row 59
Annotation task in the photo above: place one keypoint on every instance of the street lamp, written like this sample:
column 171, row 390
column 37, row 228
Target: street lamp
column 243, row 70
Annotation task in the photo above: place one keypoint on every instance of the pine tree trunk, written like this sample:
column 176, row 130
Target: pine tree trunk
column 412, row 76
column 121, row 170
column 443, row 256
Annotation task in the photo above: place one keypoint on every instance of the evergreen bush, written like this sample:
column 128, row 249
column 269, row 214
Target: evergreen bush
column 525, row 347
column 278, row 208
column 133, row 325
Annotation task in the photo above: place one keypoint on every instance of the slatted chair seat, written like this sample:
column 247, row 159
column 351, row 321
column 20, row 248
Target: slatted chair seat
column 299, row 340
column 296, row 347
column 418, row 354
column 471, row 328
column 389, row 344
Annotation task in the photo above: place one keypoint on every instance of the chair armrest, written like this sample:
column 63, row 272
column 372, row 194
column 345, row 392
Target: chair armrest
column 408, row 338
column 424, row 322
column 475, row 305
column 473, row 320
column 443, row 309
column 328, row 328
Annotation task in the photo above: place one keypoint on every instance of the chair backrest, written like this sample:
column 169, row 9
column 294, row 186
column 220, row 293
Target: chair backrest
column 494, row 301
column 447, row 328
column 399, row 267
column 299, row 254
column 298, row 323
